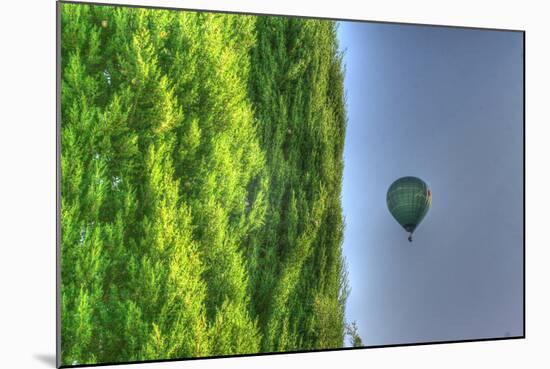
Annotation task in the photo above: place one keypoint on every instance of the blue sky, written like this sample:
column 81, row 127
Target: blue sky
column 445, row 105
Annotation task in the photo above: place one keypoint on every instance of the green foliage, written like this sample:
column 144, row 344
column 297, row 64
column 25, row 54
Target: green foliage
column 201, row 160
column 297, row 92
column 352, row 331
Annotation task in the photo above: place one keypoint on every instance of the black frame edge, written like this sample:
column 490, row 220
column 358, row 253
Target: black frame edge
column 58, row 184
column 286, row 15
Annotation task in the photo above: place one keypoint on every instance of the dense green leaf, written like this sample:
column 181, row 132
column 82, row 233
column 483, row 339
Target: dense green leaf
column 201, row 175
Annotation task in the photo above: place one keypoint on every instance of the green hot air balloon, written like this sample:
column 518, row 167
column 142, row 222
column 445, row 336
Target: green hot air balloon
column 409, row 199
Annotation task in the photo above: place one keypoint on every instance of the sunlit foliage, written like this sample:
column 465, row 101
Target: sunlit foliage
column 201, row 175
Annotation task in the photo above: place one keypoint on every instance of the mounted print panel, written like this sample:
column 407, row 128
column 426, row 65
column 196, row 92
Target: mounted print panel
column 238, row 184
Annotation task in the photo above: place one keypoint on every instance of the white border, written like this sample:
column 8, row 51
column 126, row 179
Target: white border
column 27, row 184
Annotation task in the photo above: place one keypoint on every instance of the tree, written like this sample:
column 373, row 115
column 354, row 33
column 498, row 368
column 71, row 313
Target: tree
column 353, row 332
column 201, row 170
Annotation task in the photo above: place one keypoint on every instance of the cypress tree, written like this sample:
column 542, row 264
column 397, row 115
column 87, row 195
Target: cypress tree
column 201, row 163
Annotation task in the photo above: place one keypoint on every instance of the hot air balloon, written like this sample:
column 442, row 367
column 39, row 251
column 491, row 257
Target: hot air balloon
column 409, row 199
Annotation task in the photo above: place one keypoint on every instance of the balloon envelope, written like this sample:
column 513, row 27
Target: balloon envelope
column 408, row 200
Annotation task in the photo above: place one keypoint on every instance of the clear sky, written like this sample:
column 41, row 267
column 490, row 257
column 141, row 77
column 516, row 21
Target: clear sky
column 445, row 105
